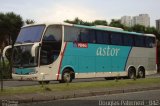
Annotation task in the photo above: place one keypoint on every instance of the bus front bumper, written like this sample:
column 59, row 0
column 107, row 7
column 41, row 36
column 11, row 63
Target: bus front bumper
column 31, row 77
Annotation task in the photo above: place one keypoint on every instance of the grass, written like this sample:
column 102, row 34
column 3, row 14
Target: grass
column 77, row 86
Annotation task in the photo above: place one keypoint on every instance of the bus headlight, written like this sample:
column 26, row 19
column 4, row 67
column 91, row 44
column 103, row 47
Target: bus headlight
column 34, row 72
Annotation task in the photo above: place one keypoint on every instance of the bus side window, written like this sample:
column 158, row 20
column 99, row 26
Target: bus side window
column 49, row 38
column 150, row 41
column 87, row 36
column 71, row 34
column 103, row 37
column 106, row 37
column 83, row 37
column 92, row 36
column 53, row 33
column 116, row 39
column 139, row 41
column 100, row 38
column 128, row 40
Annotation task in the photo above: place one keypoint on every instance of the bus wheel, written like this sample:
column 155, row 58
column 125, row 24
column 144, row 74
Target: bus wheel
column 67, row 76
column 131, row 73
column 43, row 82
column 141, row 73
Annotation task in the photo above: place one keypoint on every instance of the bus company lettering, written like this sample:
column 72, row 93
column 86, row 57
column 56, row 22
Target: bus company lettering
column 81, row 45
column 107, row 51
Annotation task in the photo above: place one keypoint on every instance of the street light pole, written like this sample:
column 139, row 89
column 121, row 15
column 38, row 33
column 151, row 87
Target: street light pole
column 1, row 60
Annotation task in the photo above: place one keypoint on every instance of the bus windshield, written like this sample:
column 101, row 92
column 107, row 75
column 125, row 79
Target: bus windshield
column 30, row 34
column 22, row 56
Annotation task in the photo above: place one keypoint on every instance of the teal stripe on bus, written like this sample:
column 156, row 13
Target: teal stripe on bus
column 95, row 58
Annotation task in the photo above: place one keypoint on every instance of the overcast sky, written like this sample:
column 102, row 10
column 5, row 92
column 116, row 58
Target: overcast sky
column 87, row 10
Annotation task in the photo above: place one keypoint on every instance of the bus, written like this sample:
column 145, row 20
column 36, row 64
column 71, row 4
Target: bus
column 63, row 52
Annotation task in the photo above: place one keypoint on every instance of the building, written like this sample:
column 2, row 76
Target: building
column 142, row 19
column 158, row 25
column 126, row 20
column 134, row 21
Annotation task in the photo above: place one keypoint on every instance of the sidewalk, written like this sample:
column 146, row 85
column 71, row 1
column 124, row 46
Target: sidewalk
column 51, row 95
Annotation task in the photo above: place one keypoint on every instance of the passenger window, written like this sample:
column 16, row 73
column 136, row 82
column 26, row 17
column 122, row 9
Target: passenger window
column 84, row 35
column 139, row 41
column 103, row 37
column 116, row 39
column 92, row 36
column 128, row 40
column 53, row 33
column 71, row 33
column 150, row 41
column 87, row 35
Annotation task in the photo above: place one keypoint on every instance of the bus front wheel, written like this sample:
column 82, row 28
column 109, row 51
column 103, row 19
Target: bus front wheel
column 67, row 76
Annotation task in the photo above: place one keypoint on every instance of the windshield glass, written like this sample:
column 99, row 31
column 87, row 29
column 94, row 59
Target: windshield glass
column 22, row 56
column 30, row 34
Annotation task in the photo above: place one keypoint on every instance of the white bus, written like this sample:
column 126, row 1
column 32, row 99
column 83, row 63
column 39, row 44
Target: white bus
column 62, row 52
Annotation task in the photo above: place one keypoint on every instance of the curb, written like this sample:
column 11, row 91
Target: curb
column 8, row 80
column 76, row 95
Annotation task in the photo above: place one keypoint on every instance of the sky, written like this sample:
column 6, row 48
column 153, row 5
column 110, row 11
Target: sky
column 88, row 10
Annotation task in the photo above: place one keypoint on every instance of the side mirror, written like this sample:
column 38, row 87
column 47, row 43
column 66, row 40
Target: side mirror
column 33, row 49
column 5, row 50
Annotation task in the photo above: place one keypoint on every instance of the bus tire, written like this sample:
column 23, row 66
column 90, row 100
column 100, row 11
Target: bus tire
column 67, row 76
column 141, row 72
column 131, row 73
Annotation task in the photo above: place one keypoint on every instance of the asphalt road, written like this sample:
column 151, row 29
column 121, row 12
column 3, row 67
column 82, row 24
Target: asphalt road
column 29, row 83
column 143, row 98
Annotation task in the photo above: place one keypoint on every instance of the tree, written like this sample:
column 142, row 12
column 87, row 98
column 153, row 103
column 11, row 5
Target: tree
column 10, row 24
column 116, row 23
column 29, row 21
column 75, row 21
column 139, row 28
column 80, row 22
column 100, row 22
column 2, row 30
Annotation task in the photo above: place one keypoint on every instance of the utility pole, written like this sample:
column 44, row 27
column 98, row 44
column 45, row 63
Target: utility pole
column 2, row 68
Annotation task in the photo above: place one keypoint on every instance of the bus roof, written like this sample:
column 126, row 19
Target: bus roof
column 47, row 24
column 99, row 27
